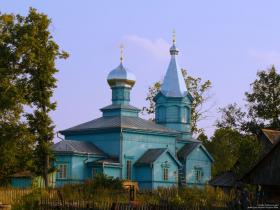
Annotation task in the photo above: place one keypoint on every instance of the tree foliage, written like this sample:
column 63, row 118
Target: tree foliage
column 235, row 138
column 262, row 109
column 264, row 100
column 232, row 150
column 199, row 90
column 232, row 117
column 28, row 53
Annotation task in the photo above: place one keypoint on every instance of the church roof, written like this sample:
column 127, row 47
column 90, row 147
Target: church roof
column 118, row 122
column 173, row 84
column 121, row 76
column 72, row 146
column 120, row 106
column 187, row 149
column 151, row 155
column 121, row 73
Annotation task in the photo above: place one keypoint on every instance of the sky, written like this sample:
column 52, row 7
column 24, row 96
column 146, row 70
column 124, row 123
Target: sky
column 226, row 42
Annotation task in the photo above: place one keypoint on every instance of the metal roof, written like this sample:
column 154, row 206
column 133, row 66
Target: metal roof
column 109, row 160
column 121, row 74
column 22, row 174
column 227, row 179
column 173, row 84
column 118, row 122
column 80, row 147
column 150, row 156
column 191, row 139
column 120, row 106
column 187, row 149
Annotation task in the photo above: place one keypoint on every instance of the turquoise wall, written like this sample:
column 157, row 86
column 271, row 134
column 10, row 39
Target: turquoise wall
column 143, row 175
column 167, row 161
column 21, row 182
column 120, row 112
column 120, row 95
column 112, row 171
column 108, row 142
column 77, row 170
column 174, row 113
column 198, row 158
column 134, row 145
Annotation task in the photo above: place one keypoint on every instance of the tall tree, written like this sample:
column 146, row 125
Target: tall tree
column 262, row 109
column 34, row 53
column 233, row 151
column 264, row 100
column 197, row 88
column 232, row 117
column 16, row 142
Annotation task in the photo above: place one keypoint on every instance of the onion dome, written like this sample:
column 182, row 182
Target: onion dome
column 121, row 76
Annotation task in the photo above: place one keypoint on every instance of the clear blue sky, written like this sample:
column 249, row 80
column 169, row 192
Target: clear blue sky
column 223, row 41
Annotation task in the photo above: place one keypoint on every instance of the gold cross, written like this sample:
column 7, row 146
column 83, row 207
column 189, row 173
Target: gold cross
column 174, row 36
column 121, row 48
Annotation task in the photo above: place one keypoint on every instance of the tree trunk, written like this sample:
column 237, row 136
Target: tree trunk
column 46, row 170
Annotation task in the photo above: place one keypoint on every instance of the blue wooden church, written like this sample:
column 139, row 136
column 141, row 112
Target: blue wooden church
column 121, row 144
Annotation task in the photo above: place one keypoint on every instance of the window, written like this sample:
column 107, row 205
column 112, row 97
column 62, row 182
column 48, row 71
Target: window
column 128, row 169
column 198, row 174
column 94, row 172
column 184, row 114
column 62, row 171
column 165, row 174
column 172, row 114
column 160, row 114
column 188, row 115
column 175, row 174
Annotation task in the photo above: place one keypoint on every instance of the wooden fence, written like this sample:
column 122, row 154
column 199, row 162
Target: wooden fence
column 52, row 201
column 85, row 205
column 10, row 196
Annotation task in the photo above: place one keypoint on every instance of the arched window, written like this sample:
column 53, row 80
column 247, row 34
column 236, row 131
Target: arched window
column 172, row 114
column 184, row 114
column 188, row 115
column 161, row 113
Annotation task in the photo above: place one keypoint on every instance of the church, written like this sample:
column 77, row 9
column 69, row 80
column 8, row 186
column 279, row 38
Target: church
column 120, row 144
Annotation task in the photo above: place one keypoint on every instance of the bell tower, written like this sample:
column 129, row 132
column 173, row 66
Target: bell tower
column 173, row 102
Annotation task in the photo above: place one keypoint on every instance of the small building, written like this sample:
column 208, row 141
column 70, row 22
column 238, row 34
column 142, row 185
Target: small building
column 266, row 173
column 120, row 144
column 225, row 181
column 26, row 179
column 268, row 139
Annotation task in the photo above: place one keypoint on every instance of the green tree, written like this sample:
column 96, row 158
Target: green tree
column 262, row 109
column 16, row 143
column 264, row 100
column 197, row 88
column 32, row 54
column 232, row 150
column 232, row 117
column 204, row 138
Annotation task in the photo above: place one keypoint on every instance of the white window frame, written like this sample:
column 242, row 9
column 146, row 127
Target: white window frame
column 62, row 171
column 165, row 174
column 129, row 169
column 198, row 172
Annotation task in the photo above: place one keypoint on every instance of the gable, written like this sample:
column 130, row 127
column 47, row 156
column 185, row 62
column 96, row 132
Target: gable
column 167, row 156
column 153, row 155
column 200, row 153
